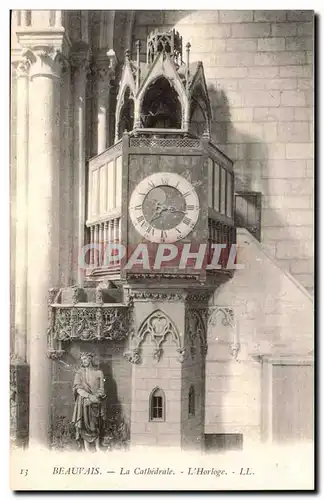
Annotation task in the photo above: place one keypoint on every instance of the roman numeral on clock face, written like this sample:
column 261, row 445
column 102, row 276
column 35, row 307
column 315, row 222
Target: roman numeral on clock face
column 165, row 180
column 140, row 218
column 163, row 235
column 190, row 207
column 149, row 230
column 186, row 220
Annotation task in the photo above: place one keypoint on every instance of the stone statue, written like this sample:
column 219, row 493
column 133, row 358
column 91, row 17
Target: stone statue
column 88, row 414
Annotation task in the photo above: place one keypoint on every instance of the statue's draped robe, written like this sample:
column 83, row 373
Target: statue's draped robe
column 88, row 416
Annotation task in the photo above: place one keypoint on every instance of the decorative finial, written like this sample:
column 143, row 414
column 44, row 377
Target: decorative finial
column 188, row 45
column 127, row 54
column 111, row 54
column 138, row 48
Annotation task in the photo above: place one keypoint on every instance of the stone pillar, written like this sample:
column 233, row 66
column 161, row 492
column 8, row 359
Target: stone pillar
column 21, row 97
column 80, row 62
column 19, row 370
column 102, row 110
column 66, row 180
column 105, row 66
column 43, row 226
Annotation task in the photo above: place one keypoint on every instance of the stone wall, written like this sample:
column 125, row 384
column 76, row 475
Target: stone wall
column 259, row 67
column 273, row 319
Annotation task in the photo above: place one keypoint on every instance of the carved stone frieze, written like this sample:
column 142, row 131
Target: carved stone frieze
column 147, row 295
column 199, row 297
column 68, row 322
column 90, row 323
column 157, row 326
column 164, row 276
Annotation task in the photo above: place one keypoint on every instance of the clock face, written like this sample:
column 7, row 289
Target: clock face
column 164, row 207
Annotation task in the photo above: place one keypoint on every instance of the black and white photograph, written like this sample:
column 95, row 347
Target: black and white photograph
column 162, row 250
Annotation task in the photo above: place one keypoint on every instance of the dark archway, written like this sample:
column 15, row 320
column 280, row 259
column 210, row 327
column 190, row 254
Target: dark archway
column 161, row 107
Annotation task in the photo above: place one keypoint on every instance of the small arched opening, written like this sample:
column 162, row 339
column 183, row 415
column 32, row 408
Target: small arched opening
column 161, row 107
column 157, row 405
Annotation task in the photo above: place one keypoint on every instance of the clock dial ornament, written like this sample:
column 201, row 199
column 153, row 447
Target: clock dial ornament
column 164, row 207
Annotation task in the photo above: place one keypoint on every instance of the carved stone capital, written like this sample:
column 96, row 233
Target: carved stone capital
column 133, row 356
column 182, row 354
column 80, row 58
column 55, row 353
column 16, row 360
column 21, row 67
column 44, row 61
column 104, row 67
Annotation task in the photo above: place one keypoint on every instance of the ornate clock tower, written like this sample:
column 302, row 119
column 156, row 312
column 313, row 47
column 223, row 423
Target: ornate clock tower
column 160, row 201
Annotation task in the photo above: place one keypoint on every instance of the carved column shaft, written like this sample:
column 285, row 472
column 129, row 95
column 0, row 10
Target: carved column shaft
column 66, row 180
column 43, row 226
column 102, row 111
column 21, row 209
column 80, row 66
column 105, row 72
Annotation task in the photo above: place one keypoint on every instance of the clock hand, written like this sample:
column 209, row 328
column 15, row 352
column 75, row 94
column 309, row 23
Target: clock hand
column 175, row 209
column 158, row 212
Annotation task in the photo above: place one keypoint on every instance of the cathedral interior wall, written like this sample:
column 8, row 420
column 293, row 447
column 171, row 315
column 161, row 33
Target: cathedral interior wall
column 272, row 317
column 259, row 71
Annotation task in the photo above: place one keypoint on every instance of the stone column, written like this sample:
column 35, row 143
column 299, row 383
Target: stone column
column 21, row 209
column 102, row 111
column 43, row 226
column 19, row 369
column 105, row 66
column 80, row 62
column 66, row 180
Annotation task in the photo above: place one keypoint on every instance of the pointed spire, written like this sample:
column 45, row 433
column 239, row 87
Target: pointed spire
column 138, row 48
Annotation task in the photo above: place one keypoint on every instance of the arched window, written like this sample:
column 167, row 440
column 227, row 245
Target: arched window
column 157, row 405
column 191, row 401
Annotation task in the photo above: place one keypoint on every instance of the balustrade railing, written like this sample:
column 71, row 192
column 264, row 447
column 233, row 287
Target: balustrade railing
column 220, row 234
column 104, row 238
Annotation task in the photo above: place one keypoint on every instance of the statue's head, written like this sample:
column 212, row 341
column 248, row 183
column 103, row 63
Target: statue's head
column 86, row 359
